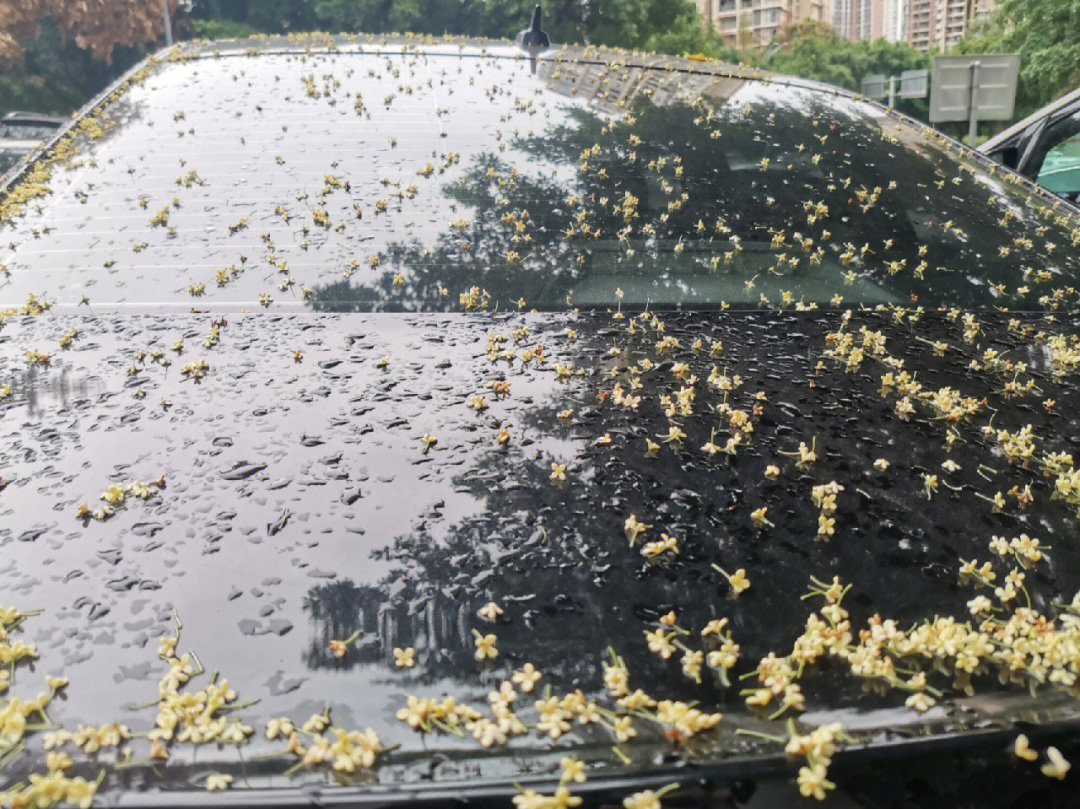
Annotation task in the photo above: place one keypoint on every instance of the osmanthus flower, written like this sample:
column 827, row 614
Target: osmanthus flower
column 282, row 726
column 526, row 677
column 485, row 646
column 812, row 781
column 616, row 677
column 354, row 749
column 772, row 471
column 666, row 544
column 1057, row 766
column 634, row 529
column 218, row 781
column 737, row 580
column 1022, row 750
column 558, row 471
column 58, row 762
column 554, row 719
column 531, row 799
column 503, row 697
column 338, row 648
column 724, row 659
column 691, row 664
column 623, row 729
column 714, row 627
column 674, row 435
column 573, row 770
column 979, row 605
column 920, row 702
column 490, row 611
column 806, row 455
column 685, row 718
column 636, row 701
column 647, row 799
column 405, row 658
column 660, row 643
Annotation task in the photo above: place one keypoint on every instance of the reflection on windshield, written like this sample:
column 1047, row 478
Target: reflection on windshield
column 441, row 183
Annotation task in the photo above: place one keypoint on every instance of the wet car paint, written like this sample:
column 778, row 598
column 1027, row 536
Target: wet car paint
column 299, row 504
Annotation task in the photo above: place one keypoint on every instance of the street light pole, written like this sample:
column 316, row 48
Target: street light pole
column 168, row 22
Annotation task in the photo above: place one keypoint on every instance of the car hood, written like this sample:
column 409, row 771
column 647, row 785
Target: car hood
column 310, row 478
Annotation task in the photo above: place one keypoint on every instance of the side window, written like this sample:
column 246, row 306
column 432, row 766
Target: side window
column 1059, row 168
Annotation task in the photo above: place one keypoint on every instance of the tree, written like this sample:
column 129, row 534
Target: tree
column 96, row 26
column 1046, row 34
column 814, row 51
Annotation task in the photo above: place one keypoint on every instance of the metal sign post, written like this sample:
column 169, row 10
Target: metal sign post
column 909, row 84
column 914, row 83
column 168, row 22
column 973, row 88
column 973, row 105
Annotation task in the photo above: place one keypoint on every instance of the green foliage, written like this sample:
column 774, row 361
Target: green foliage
column 222, row 29
column 813, row 52
column 57, row 77
column 669, row 25
column 1046, row 34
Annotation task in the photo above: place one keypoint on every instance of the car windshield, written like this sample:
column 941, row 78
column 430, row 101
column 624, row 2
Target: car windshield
column 390, row 179
column 370, row 419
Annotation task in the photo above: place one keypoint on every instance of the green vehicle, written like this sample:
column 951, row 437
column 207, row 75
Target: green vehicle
column 1045, row 146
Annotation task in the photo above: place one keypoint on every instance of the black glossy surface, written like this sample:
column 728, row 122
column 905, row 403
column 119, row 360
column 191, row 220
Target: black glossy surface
column 375, row 179
column 300, row 503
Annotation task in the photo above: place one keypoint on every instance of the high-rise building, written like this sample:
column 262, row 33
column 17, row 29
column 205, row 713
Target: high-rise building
column 942, row 23
column 869, row 19
column 754, row 23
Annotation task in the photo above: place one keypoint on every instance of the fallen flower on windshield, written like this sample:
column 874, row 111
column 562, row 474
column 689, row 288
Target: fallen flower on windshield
column 218, row 781
column 1057, row 766
column 405, row 658
column 526, row 677
column 485, row 646
column 647, row 799
column 338, row 648
column 812, row 782
column 1022, row 750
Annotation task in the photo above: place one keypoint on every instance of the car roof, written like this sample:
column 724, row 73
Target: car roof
column 254, row 111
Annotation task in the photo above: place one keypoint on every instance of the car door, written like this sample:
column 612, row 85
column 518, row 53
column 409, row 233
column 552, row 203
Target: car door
column 1053, row 159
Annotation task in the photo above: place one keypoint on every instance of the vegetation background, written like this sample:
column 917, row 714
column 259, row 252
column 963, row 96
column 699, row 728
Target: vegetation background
column 56, row 54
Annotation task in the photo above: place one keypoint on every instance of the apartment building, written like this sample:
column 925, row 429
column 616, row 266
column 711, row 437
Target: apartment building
column 754, row 23
column 870, row 19
column 942, row 23
column 923, row 24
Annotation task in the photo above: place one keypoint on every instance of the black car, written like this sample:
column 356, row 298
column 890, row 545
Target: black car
column 1045, row 146
column 21, row 133
column 398, row 420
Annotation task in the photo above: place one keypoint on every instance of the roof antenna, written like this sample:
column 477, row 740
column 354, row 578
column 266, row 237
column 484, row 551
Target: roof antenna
column 532, row 40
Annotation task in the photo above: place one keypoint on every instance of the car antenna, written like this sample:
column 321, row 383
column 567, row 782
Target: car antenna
column 532, row 40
